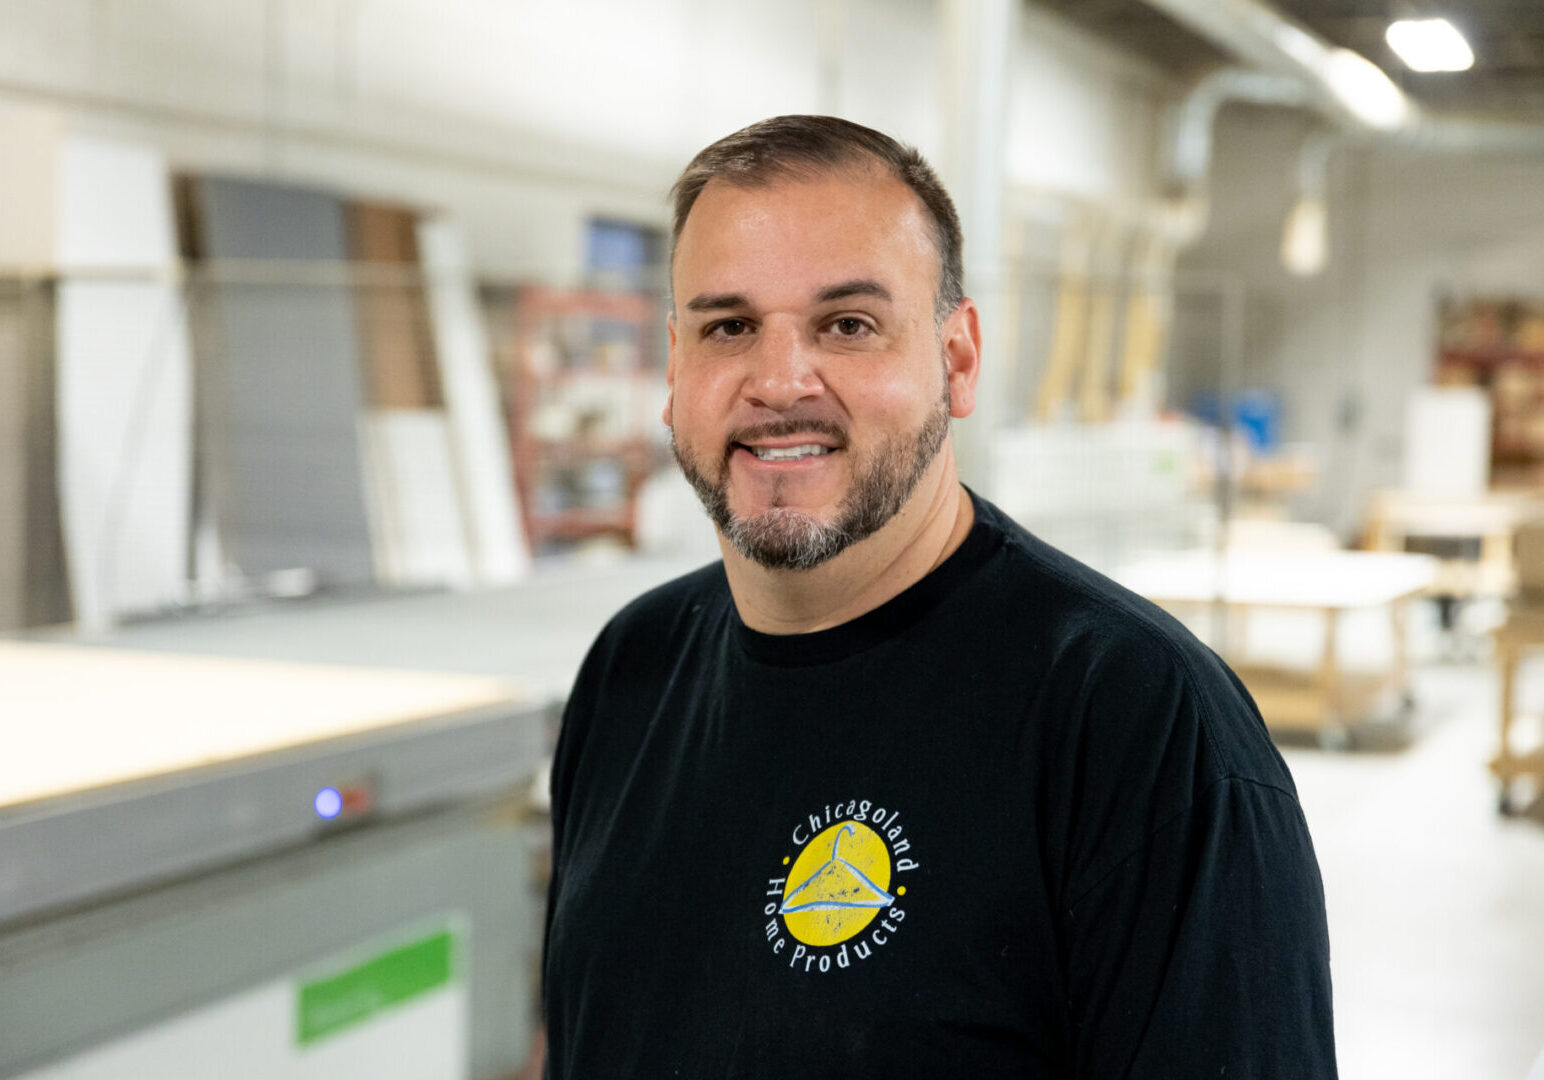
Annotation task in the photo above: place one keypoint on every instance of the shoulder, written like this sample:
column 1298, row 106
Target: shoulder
column 1127, row 681
column 667, row 606
column 658, row 622
column 638, row 646
column 1139, row 727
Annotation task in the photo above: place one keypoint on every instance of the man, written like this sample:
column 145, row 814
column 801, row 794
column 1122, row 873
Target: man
column 896, row 789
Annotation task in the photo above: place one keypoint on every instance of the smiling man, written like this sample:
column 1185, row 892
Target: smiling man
column 895, row 789
column 813, row 371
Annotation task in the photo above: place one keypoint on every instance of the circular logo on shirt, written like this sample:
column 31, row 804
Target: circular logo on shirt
column 839, row 894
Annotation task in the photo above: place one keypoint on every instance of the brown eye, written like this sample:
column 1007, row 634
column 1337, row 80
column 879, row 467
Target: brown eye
column 850, row 327
column 729, row 328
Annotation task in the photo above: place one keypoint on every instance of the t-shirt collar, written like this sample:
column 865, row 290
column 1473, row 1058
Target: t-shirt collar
column 888, row 619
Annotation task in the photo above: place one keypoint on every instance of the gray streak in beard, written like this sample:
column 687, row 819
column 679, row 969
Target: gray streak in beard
column 782, row 538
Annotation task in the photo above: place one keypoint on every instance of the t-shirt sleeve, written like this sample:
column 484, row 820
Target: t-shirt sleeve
column 571, row 736
column 1204, row 952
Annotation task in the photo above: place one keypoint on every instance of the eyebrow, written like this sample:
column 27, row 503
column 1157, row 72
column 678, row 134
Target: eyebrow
column 716, row 302
column 856, row 287
column 840, row 291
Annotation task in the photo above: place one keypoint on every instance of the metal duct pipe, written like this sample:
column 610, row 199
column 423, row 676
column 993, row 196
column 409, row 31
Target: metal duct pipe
column 1294, row 68
column 1343, row 85
column 1189, row 146
column 1254, row 32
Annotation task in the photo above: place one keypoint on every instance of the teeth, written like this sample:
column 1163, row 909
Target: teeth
column 790, row 453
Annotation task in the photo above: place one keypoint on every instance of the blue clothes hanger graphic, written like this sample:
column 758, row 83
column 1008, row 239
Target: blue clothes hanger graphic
column 830, row 875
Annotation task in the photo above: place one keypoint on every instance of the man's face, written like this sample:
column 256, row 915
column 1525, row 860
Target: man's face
column 808, row 384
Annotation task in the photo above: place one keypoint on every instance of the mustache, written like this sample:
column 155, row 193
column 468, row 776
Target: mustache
column 778, row 429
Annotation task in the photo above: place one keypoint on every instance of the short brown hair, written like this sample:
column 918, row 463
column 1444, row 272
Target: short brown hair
column 804, row 146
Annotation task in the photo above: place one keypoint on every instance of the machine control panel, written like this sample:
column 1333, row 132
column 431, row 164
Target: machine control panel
column 345, row 801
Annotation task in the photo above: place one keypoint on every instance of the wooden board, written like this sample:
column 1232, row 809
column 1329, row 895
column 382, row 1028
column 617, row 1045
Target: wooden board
column 396, row 349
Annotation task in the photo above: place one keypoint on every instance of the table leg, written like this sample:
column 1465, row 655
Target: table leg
column 1508, row 655
column 1399, row 612
column 1496, row 551
column 1333, row 733
column 1399, row 674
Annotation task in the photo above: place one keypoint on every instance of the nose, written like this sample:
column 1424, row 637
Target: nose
column 782, row 370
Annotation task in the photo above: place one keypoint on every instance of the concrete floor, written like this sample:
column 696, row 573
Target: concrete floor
column 1436, row 902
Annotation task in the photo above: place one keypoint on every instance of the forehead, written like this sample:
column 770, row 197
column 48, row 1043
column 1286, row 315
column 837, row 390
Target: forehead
column 802, row 232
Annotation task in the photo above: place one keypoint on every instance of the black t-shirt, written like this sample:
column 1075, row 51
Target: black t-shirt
column 1014, row 822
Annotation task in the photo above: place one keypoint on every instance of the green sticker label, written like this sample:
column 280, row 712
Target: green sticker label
column 340, row 1001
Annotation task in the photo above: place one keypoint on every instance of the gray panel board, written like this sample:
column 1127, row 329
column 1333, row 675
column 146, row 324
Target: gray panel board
column 34, row 590
column 49, row 599
column 48, row 589
column 13, row 457
column 281, row 386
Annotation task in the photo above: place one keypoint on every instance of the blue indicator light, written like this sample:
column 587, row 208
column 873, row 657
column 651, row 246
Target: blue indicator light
column 329, row 804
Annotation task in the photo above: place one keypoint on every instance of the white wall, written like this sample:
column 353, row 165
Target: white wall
column 1434, row 225
column 520, row 117
column 1083, row 119
column 525, row 116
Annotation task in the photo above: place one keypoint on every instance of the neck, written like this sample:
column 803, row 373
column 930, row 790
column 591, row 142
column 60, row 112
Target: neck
column 926, row 531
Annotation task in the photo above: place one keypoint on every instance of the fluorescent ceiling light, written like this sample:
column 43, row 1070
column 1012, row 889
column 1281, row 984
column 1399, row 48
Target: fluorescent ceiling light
column 1430, row 45
column 1363, row 88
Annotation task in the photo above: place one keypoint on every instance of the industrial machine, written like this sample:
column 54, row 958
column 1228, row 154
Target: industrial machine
column 262, row 870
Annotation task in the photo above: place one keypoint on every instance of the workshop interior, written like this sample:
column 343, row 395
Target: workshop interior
column 333, row 339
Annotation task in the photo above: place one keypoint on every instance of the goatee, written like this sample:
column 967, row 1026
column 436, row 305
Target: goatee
column 785, row 538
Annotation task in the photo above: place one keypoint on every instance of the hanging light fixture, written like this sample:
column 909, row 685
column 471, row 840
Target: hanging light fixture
column 1430, row 45
column 1305, row 242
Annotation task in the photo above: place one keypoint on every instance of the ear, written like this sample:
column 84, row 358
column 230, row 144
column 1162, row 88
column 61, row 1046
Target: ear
column 670, row 369
column 962, row 357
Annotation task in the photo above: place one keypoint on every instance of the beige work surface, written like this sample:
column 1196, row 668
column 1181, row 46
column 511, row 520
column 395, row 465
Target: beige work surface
column 1317, row 579
column 74, row 718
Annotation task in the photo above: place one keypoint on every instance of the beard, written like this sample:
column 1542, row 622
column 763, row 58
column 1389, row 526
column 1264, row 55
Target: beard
column 785, row 538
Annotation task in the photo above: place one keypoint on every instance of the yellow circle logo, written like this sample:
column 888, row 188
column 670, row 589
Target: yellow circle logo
column 837, row 885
